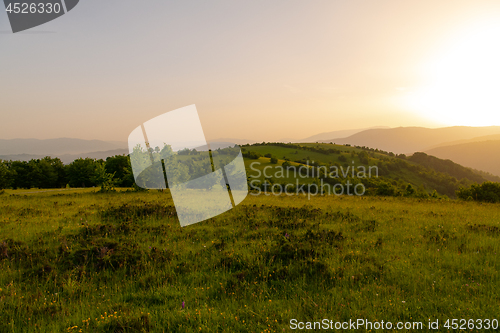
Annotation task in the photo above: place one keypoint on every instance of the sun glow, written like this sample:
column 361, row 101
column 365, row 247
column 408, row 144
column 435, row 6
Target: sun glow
column 464, row 81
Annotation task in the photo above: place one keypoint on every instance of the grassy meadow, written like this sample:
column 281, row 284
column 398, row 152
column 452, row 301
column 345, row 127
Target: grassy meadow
column 79, row 261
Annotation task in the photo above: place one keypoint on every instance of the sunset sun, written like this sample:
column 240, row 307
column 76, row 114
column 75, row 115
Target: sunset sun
column 463, row 81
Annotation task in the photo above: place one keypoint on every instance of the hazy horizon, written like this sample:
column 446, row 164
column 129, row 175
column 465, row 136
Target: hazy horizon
column 257, row 140
column 273, row 70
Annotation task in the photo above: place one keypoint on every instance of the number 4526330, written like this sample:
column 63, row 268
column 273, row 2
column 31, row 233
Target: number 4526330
column 471, row 324
column 33, row 8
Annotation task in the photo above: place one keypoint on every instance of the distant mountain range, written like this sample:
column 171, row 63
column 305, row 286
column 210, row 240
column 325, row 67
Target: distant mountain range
column 233, row 141
column 56, row 147
column 66, row 158
column 66, row 149
column 481, row 155
column 407, row 140
column 475, row 139
column 315, row 138
column 337, row 134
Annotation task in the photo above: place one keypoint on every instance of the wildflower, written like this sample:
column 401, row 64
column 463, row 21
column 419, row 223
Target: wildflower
column 183, row 304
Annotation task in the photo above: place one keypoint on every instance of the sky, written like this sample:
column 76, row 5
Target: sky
column 257, row 70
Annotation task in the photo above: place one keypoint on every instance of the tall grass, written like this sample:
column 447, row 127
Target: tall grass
column 119, row 262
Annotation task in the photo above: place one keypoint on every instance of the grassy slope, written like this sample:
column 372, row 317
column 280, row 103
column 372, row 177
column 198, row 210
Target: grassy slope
column 401, row 175
column 120, row 262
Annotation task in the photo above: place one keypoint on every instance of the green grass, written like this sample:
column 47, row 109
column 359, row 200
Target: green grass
column 119, row 262
column 301, row 154
column 276, row 171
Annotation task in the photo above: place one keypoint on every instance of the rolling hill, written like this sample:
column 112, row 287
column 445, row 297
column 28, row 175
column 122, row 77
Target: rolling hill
column 483, row 155
column 407, row 140
column 475, row 139
column 421, row 171
column 337, row 134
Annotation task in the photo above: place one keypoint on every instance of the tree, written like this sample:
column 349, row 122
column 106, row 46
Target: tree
column 274, row 160
column 386, row 189
column 21, row 171
column 42, row 173
column 103, row 178
column 149, row 166
column 252, row 155
column 81, row 172
column 6, row 175
column 119, row 165
column 363, row 157
column 410, row 191
column 486, row 192
column 60, row 168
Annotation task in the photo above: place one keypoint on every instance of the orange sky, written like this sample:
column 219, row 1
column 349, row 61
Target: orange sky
column 263, row 70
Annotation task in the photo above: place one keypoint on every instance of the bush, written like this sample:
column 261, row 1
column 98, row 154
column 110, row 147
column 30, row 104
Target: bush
column 485, row 192
column 252, row 155
column 104, row 179
column 274, row 160
column 363, row 157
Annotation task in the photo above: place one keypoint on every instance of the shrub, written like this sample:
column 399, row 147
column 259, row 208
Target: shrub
column 485, row 192
column 252, row 155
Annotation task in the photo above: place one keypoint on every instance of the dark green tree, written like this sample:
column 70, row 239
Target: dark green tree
column 486, row 192
column 410, row 191
column 21, row 171
column 6, row 175
column 43, row 173
column 119, row 165
column 81, row 172
column 363, row 157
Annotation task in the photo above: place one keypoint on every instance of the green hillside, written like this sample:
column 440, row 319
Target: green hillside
column 394, row 175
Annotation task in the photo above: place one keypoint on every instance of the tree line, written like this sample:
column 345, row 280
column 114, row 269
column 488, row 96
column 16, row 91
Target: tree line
column 444, row 176
column 50, row 172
